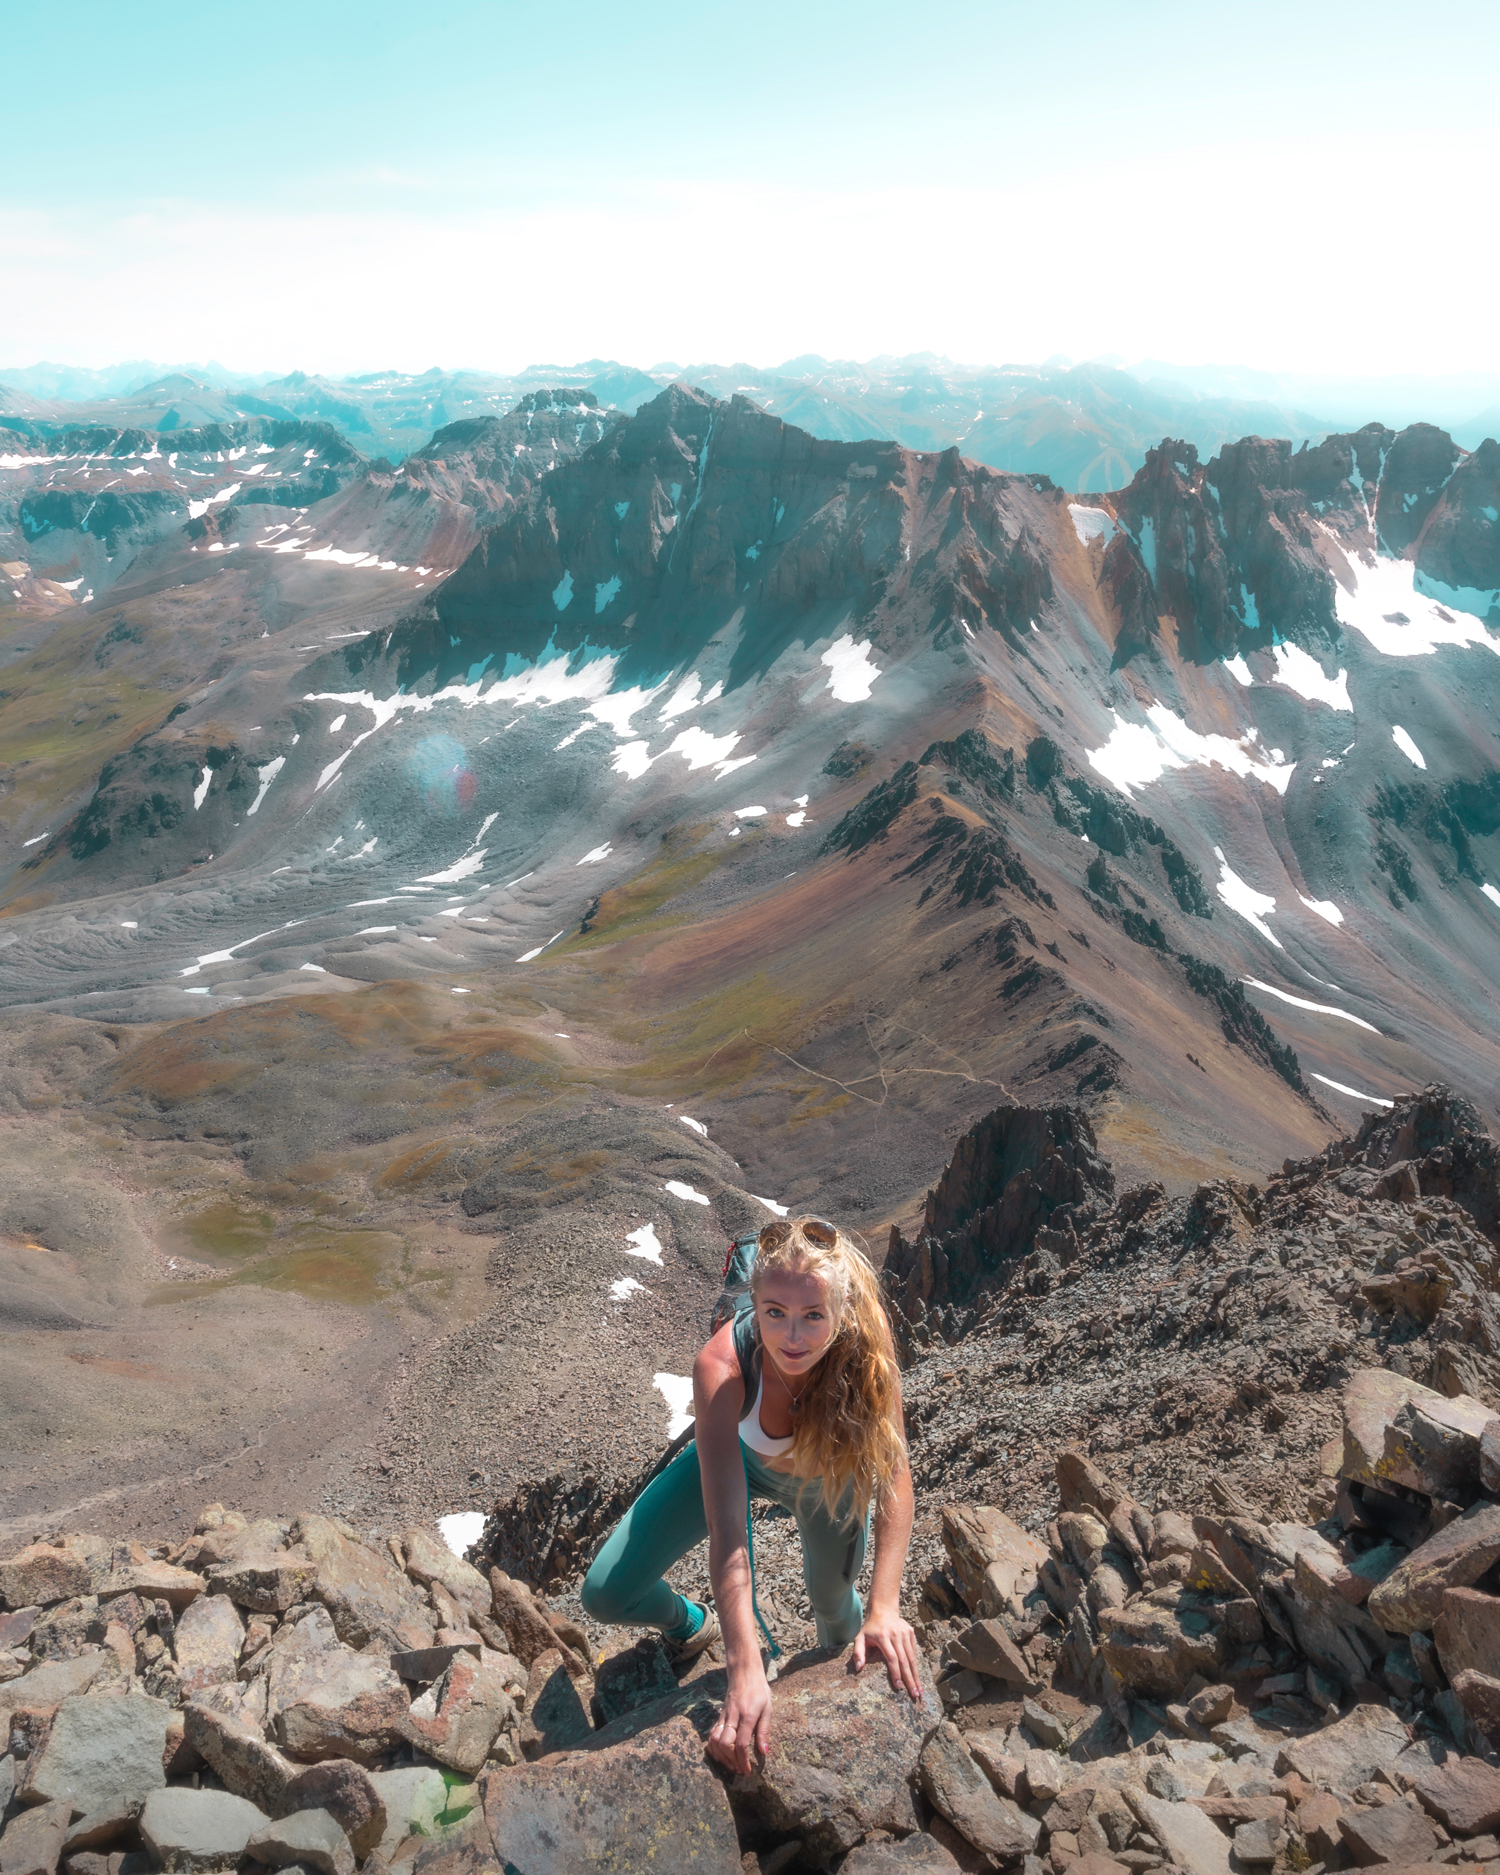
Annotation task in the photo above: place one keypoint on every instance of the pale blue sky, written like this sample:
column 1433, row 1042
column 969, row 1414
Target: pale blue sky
column 346, row 187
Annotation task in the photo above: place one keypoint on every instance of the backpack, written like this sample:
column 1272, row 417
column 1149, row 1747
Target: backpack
column 735, row 1304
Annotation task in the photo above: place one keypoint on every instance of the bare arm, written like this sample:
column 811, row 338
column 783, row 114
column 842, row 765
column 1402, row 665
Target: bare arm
column 719, row 1400
column 884, row 1628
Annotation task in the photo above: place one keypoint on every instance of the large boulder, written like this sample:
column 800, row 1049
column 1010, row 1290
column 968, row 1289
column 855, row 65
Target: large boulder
column 988, row 1649
column 1467, row 1632
column 348, row 1793
column 900, row 1855
column 994, row 1559
column 645, row 1800
column 308, row 1839
column 414, row 1798
column 1388, row 1833
column 1463, row 1794
column 259, row 1572
column 1156, row 1647
column 1190, row 1839
column 1349, row 1753
column 429, row 1560
column 842, row 1752
column 238, row 1755
column 99, row 1753
column 461, row 1715
column 45, row 1687
column 42, row 1575
column 959, row 1791
column 324, row 1700
column 367, row 1597
column 207, row 1643
column 355, row 1709
column 151, row 1581
column 1479, row 1696
column 525, row 1624
column 33, row 1841
column 186, row 1830
column 1410, row 1599
column 1398, row 1431
column 558, row 1706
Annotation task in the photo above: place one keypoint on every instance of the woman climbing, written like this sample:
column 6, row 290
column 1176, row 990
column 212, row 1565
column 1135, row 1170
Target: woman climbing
column 797, row 1400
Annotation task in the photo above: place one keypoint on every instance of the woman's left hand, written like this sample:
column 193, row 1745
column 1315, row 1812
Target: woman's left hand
column 896, row 1640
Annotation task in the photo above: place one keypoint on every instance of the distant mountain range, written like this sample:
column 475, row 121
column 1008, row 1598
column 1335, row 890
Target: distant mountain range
column 1087, row 426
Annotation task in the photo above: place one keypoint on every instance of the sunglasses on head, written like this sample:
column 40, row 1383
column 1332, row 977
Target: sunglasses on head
column 815, row 1229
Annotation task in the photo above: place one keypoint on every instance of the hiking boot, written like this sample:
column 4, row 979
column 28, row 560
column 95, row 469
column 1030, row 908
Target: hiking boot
column 680, row 1653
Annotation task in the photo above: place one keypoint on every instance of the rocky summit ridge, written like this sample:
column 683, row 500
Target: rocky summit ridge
column 1206, row 1582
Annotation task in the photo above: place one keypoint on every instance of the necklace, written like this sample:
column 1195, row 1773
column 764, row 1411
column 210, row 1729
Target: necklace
column 794, row 1399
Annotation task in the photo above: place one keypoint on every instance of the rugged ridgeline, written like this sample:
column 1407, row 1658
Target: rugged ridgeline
column 89, row 506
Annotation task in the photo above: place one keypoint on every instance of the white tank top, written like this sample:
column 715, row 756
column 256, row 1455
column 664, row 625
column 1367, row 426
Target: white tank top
column 753, row 1434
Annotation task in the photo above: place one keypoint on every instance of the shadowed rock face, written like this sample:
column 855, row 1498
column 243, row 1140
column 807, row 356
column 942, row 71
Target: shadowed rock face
column 1010, row 1175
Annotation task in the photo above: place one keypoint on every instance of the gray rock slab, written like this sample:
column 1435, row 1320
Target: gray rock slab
column 198, row 1829
column 907, row 1855
column 414, row 1798
column 1190, row 1839
column 210, row 1633
column 346, row 1791
column 102, row 1752
column 33, row 1841
column 56, row 1680
column 649, row 1801
column 1347, row 1754
column 310, row 1839
column 959, row 1791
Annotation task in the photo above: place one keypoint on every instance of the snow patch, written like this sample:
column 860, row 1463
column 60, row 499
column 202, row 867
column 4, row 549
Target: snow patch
column 677, row 1391
column 1239, row 670
column 562, row 592
column 1301, row 1002
column 1407, row 747
column 644, row 1243
column 625, row 1288
column 749, row 813
column 599, row 852
column 609, row 589
column 464, row 868
column 1091, row 524
column 1491, row 893
column 1401, row 619
column 1325, row 908
column 265, row 776
column 200, row 793
column 853, row 670
column 1138, row 753
column 526, row 956
column 1302, row 672
column 1243, row 898
column 686, row 1192
column 1354, row 1093
column 697, row 1125
column 771, row 1205
column 462, row 1530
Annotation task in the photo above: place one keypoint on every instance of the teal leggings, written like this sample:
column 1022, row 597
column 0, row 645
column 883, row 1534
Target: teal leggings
column 625, row 1583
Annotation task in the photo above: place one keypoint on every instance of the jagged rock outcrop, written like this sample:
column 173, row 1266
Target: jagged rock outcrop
column 1021, row 1175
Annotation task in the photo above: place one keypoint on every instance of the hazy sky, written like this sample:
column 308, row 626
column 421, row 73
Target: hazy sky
column 348, row 187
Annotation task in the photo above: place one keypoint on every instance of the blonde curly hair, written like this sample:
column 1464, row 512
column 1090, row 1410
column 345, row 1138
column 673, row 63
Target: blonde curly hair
column 846, row 1432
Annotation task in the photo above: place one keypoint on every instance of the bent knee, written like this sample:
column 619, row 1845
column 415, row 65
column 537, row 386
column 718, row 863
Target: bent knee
column 606, row 1596
column 600, row 1602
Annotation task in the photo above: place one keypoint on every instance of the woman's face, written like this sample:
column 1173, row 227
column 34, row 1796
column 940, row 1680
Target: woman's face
column 796, row 1324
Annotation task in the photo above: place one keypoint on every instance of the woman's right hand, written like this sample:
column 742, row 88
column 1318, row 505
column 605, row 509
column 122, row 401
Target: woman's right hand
column 744, row 1726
